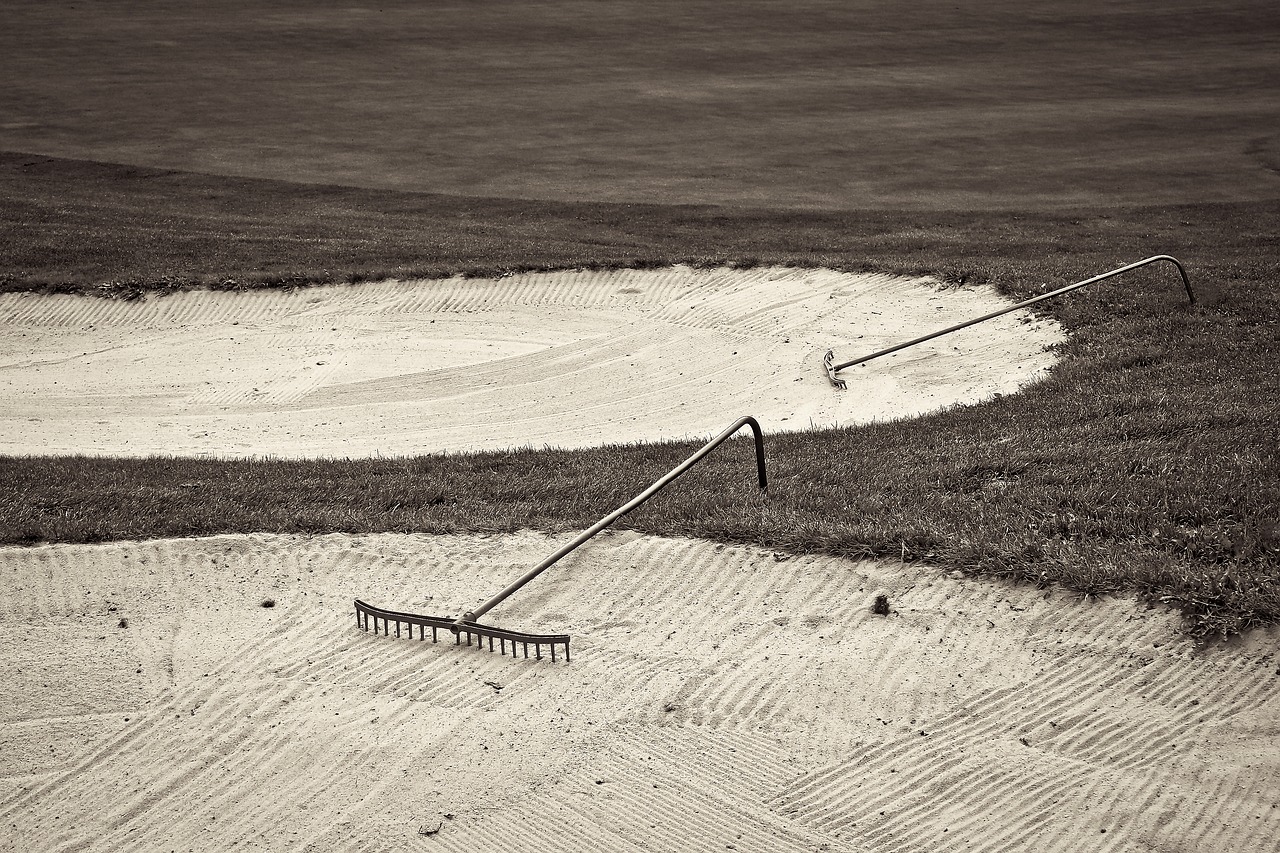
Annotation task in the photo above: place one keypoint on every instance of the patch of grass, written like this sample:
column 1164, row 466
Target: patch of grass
column 125, row 232
column 1024, row 104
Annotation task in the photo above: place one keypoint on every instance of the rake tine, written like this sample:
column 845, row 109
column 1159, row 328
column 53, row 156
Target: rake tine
column 381, row 620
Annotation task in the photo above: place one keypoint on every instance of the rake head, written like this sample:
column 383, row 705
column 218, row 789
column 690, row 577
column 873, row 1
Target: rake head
column 381, row 621
column 828, row 362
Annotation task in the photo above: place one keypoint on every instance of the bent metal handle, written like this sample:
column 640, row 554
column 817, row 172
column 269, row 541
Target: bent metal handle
column 465, row 619
column 831, row 369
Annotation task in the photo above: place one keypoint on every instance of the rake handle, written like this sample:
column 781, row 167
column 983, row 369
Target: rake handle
column 659, row 485
column 1061, row 290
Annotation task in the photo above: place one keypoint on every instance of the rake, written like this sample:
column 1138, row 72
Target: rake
column 828, row 361
column 380, row 620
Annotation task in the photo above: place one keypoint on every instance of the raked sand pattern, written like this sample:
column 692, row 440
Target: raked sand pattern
column 568, row 359
column 719, row 698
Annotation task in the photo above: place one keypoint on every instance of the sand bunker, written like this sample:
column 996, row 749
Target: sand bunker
column 719, row 698
column 565, row 359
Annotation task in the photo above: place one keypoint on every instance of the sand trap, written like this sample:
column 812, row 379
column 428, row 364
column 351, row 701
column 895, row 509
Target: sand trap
column 719, row 698
column 566, row 359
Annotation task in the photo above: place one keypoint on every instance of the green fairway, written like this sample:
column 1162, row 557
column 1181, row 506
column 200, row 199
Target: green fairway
column 1025, row 145
column 832, row 105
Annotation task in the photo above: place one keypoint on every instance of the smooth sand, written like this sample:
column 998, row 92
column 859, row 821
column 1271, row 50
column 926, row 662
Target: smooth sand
column 719, row 698
column 569, row 359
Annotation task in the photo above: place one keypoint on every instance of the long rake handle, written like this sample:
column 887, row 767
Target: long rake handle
column 659, row 485
column 1070, row 287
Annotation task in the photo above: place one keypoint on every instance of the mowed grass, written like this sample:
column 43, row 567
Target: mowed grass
column 834, row 104
column 1026, row 145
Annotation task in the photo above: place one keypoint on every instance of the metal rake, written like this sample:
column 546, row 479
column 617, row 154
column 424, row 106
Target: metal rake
column 381, row 620
column 828, row 361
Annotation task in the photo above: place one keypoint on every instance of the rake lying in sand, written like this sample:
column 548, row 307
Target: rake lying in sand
column 828, row 361
column 465, row 625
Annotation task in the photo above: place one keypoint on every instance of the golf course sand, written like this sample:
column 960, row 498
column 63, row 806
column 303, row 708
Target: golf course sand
column 718, row 698
column 567, row 359
column 218, row 693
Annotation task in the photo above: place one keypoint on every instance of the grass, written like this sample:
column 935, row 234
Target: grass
column 836, row 104
column 1024, row 144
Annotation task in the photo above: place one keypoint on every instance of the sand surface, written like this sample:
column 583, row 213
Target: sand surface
column 718, row 698
column 568, row 359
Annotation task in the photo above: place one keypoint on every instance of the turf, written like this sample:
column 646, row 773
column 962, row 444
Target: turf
column 1027, row 145
column 834, row 104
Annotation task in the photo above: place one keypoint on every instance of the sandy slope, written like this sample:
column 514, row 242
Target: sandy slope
column 719, row 698
column 569, row 359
